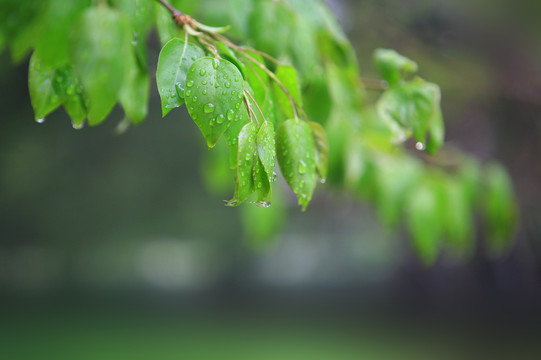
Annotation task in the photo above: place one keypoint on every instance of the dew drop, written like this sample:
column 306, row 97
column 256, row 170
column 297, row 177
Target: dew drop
column 420, row 146
column 209, row 108
column 220, row 119
column 190, row 83
column 204, row 92
column 202, row 72
column 195, row 99
column 40, row 121
column 230, row 115
column 204, row 82
column 227, row 85
column 188, row 93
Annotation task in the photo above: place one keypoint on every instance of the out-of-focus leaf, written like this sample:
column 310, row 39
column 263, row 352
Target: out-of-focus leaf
column 437, row 133
column 392, row 66
column 135, row 93
column 457, row 217
column 269, row 26
column 99, row 47
column 289, row 79
column 322, row 149
column 500, row 211
column 296, row 155
column 213, row 94
column 217, row 175
column 425, row 221
column 175, row 59
column 43, row 94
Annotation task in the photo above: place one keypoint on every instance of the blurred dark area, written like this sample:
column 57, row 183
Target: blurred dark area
column 100, row 231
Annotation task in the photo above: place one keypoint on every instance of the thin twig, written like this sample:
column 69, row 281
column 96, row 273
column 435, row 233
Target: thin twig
column 256, row 104
column 171, row 8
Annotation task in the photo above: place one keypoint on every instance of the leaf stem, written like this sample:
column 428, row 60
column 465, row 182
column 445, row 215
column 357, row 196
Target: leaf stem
column 256, row 104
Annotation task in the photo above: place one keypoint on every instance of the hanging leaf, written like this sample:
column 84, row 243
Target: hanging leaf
column 296, row 155
column 425, row 221
column 268, row 26
column 43, row 94
column 232, row 134
column 322, row 149
column 214, row 92
column 99, row 47
column 392, row 66
column 175, row 59
column 266, row 148
column 289, row 79
column 437, row 133
column 500, row 211
column 262, row 183
column 457, row 217
column 244, row 186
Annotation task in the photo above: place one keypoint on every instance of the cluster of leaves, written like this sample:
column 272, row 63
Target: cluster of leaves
column 297, row 99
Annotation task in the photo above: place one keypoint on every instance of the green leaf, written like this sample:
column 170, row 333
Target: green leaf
column 215, row 170
column 296, row 155
column 392, row 66
column 75, row 101
column 244, row 186
column 289, row 79
column 425, row 221
column 100, row 45
column 53, row 44
column 175, row 59
column 232, row 134
column 457, row 217
column 266, row 148
column 135, row 93
column 500, row 211
column 44, row 96
column 214, row 93
column 269, row 26
column 413, row 107
column 322, row 149
column 261, row 183
column 437, row 133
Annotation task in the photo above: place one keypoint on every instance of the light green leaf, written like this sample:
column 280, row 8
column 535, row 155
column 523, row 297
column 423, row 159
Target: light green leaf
column 100, row 44
column 392, row 66
column 289, row 79
column 500, row 211
column 457, row 217
column 44, row 96
column 135, row 93
column 424, row 221
column 266, row 148
column 232, row 134
column 175, row 59
column 322, row 149
column 296, row 155
column 213, row 94
column 261, row 183
column 268, row 26
column 437, row 133
column 244, row 186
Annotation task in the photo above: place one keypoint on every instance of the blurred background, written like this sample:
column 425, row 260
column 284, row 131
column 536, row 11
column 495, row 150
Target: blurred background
column 117, row 238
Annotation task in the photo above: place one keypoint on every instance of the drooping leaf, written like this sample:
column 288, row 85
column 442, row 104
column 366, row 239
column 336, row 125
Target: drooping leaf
column 437, row 133
column 43, row 94
column 268, row 26
column 216, row 174
column 322, row 149
column 175, row 59
column 457, row 217
column 296, row 155
column 425, row 221
column 232, row 134
column 266, row 148
column 99, row 46
column 289, row 79
column 244, row 186
column 500, row 211
column 392, row 66
column 262, row 184
column 135, row 93
column 213, row 94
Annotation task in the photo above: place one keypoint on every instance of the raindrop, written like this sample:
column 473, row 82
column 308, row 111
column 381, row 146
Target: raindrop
column 190, row 83
column 230, row 115
column 204, row 92
column 194, row 99
column 302, row 167
column 204, row 82
column 420, row 146
column 188, row 93
column 202, row 72
column 77, row 126
column 227, row 85
column 220, row 119
column 40, row 121
column 209, row 108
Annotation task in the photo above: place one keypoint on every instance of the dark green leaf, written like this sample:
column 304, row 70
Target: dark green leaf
column 175, row 59
column 296, row 155
column 269, row 26
column 100, row 45
column 134, row 95
column 213, row 94
column 289, row 79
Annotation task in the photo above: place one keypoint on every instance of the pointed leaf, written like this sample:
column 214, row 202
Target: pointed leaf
column 232, row 134
column 261, row 183
column 296, row 155
column 392, row 66
column 100, row 45
column 437, row 133
column 322, row 149
column 244, row 186
column 43, row 94
column 213, row 94
column 175, row 59
column 266, row 148
column 289, row 79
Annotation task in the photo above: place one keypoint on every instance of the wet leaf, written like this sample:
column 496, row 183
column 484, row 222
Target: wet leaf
column 322, row 149
column 392, row 66
column 244, row 186
column 213, row 94
column 175, row 59
column 296, row 155
column 43, row 94
column 266, row 148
